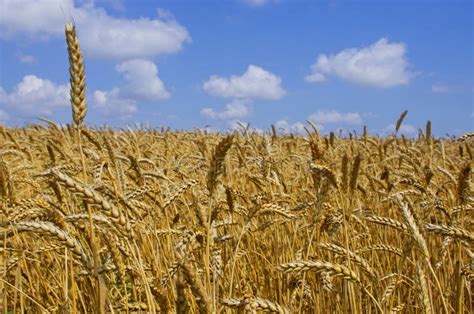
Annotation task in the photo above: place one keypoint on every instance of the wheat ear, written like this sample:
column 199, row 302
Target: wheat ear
column 253, row 304
column 68, row 240
column 362, row 262
column 317, row 266
column 217, row 162
column 77, row 76
column 453, row 232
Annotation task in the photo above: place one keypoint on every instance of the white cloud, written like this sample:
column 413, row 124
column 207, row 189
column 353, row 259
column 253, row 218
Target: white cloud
column 36, row 18
column 36, row 96
column 143, row 80
column 382, row 64
column 112, row 103
column 254, row 83
column 100, row 34
column 123, row 39
column 405, row 129
column 315, row 77
column 236, row 109
column 284, row 127
column 298, row 127
column 333, row 116
column 237, row 125
column 143, row 84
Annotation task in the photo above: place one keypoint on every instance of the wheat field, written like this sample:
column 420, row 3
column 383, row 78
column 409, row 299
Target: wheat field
column 101, row 220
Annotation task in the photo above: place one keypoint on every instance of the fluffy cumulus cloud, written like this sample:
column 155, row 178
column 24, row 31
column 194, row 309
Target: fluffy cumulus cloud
column 382, row 64
column 33, row 17
column 237, row 109
column 405, row 129
column 112, row 103
column 255, row 83
column 143, row 80
column 336, row 117
column 35, row 96
column 143, row 84
column 101, row 35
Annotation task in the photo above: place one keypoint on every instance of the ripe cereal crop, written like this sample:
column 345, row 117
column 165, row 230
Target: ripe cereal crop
column 97, row 220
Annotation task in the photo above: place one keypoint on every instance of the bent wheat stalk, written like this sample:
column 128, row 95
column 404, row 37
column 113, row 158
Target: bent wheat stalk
column 322, row 266
column 46, row 227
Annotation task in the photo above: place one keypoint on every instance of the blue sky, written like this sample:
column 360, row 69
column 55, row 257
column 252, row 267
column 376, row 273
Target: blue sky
column 191, row 64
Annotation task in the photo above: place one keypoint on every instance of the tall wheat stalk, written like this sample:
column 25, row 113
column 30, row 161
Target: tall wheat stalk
column 77, row 79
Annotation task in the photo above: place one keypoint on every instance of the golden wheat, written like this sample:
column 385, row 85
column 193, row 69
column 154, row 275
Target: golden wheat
column 155, row 221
